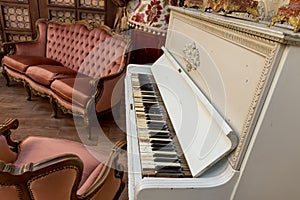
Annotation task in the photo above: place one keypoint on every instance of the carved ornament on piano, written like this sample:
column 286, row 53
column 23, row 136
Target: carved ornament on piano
column 192, row 57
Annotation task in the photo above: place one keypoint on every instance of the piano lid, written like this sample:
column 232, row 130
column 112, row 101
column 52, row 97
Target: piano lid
column 203, row 134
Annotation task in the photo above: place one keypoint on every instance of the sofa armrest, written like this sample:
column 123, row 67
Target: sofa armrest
column 108, row 92
column 9, row 47
column 28, row 48
column 36, row 47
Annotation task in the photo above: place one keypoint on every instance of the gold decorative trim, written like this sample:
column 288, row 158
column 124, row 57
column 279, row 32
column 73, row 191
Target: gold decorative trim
column 236, row 157
column 255, row 29
column 240, row 36
column 19, row 80
column 191, row 56
column 262, row 46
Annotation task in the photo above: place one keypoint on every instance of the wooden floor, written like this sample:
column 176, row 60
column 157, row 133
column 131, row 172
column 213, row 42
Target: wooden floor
column 34, row 118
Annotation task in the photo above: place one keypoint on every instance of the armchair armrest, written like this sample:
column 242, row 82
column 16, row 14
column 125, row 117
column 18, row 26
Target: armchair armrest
column 5, row 130
column 110, row 177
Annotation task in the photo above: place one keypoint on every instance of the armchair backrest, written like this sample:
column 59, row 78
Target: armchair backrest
column 58, row 180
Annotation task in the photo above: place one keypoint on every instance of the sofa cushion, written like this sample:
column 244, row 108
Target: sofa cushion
column 21, row 62
column 35, row 149
column 45, row 74
column 76, row 90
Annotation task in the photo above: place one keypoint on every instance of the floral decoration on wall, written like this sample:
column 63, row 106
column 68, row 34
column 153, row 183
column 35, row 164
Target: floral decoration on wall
column 151, row 16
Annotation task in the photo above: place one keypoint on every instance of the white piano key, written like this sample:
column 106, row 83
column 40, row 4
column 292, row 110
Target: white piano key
column 167, row 153
column 153, row 165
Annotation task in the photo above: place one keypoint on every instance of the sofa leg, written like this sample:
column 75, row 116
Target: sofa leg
column 4, row 73
column 89, row 131
column 54, row 107
column 87, row 126
column 89, row 122
column 28, row 91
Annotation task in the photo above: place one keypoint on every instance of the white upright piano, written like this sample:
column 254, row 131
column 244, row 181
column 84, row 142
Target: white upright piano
column 217, row 116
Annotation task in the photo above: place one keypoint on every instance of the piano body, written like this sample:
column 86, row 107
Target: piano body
column 229, row 90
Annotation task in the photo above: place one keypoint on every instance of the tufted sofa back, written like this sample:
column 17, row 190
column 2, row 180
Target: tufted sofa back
column 95, row 52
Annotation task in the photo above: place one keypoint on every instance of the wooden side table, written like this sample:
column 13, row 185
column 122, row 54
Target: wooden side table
column 1, row 56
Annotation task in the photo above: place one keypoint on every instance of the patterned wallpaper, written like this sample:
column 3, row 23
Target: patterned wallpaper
column 16, row 17
column 18, row 23
column 62, row 15
column 92, row 3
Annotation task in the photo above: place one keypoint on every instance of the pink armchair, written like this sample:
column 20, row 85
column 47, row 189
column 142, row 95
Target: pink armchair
column 43, row 168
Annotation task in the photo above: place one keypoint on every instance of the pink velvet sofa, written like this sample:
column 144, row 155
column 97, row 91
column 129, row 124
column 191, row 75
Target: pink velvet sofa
column 79, row 67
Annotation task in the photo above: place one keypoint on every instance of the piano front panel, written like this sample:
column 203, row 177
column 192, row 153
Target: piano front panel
column 235, row 67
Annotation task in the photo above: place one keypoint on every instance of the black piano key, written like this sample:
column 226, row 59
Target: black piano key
column 165, row 155
column 158, row 135
column 152, row 111
column 153, row 106
column 144, row 77
column 165, row 168
column 170, row 174
column 164, row 159
column 147, row 98
column 154, row 117
column 156, row 127
column 157, row 141
column 158, row 123
column 147, row 87
column 159, row 145
column 165, row 148
column 148, row 93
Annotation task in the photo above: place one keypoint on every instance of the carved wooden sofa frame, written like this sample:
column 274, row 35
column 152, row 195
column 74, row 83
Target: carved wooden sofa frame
column 17, row 182
column 76, row 53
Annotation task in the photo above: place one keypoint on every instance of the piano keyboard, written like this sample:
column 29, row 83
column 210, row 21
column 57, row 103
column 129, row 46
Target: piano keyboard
column 160, row 151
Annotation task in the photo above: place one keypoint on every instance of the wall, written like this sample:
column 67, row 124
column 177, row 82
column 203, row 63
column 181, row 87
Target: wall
column 18, row 17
